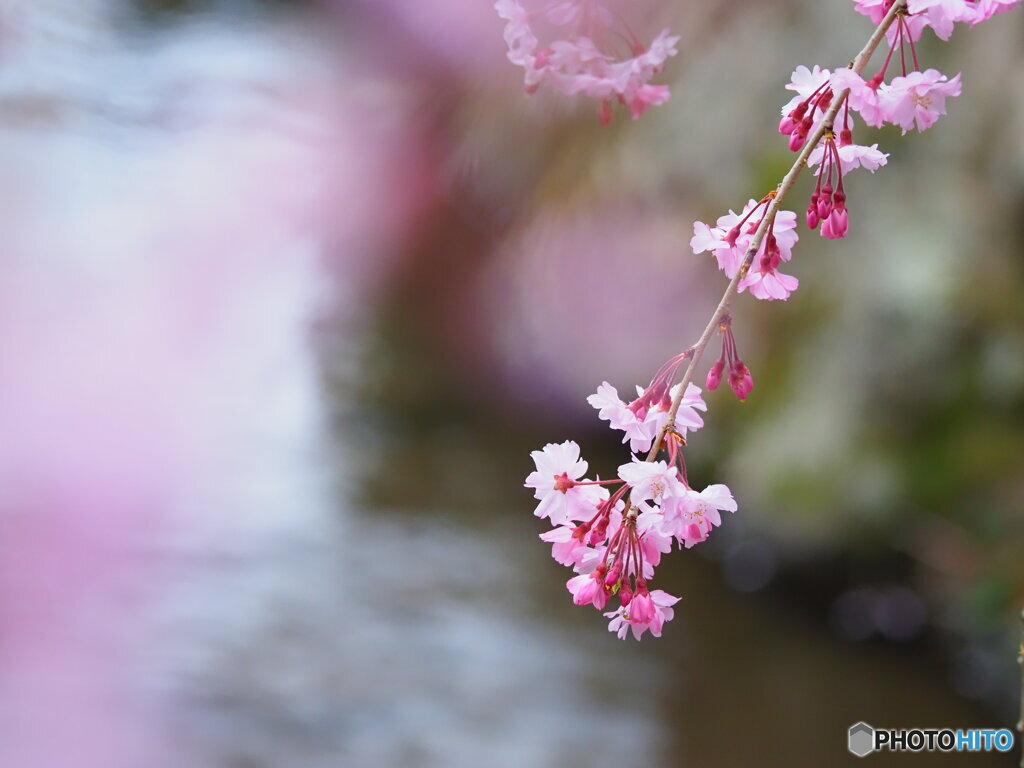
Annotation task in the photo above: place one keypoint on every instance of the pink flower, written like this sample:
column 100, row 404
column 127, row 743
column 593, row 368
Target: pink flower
column 806, row 83
column 654, row 541
column 687, row 417
column 873, row 9
column 589, row 589
column 562, row 499
column 691, row 516
column 650, row 480
column 940, row 15
column 813, row 96
column 768, row 284
column 581, row 55
column 912, row 25
column 918, row 99
column 863, row 97
column 852, row 156
column 640, row 421
column 986, row 9
column 730, row 238
column 640, row 430
column 566, row 547
column 657, row 605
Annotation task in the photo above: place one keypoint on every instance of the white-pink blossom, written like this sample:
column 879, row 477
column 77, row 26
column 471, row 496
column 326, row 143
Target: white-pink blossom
column 566, row 549
column 639, row 430
column 654, row 540
column 650, row 480
column 562, row 498
column 691, row 516
column 582, row 53
column 641, row 423
column 730, row 238
column 589, row 589
column 850, row 157
column 918, row 99
column 863, row 98
column 657, row 607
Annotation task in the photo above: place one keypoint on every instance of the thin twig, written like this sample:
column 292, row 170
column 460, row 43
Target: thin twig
column 826, row 124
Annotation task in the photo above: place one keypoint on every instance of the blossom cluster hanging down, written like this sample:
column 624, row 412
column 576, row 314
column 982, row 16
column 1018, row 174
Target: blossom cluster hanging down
column 587, row 48
column 613, row 533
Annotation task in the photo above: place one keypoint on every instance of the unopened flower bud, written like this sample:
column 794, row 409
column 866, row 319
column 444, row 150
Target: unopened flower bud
column 836, row 226
column 825, row 202
column 740, row 380
column 715, row 374
column 613, row 575
column 625, row 594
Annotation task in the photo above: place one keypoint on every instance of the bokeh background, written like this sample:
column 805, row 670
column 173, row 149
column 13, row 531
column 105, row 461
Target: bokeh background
column 289, row 290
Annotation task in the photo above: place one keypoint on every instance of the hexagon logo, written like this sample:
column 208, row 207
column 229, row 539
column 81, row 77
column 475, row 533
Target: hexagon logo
column 861, row 739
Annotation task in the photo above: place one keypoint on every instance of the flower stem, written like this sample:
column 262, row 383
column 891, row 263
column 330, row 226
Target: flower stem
column 827, row 121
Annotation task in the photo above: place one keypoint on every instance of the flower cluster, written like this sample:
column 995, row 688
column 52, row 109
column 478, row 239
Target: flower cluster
column 732, row 236
column 588, row 49
column 614, row 532
column 940, row 15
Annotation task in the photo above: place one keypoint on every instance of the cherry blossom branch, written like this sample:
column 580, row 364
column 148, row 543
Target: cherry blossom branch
column 825, row 125
column 614, row 537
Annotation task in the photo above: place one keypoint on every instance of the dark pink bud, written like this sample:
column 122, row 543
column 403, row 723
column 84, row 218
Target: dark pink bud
column 839, row 198
column 639, row 407
column 772, row 255
column 625, row 594
column 715, row 374
column 812, row 216
column 732, row 235
column 641, row 610
column 836, row 226
column 796, row 141
column 787, row 125
column 825, row 202
column 845, row 137
column 740, row 380
column 613, row 575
